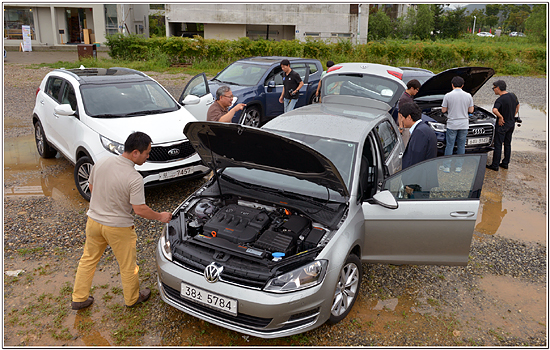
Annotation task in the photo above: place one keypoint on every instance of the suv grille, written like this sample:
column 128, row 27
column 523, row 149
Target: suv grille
column 481, row 130
column 171, row 153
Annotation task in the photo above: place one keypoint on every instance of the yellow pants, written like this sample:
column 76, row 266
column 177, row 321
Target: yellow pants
column 123, row 243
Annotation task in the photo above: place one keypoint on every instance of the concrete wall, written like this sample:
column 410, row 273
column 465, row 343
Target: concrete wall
column 224, row 31
column 296, row 19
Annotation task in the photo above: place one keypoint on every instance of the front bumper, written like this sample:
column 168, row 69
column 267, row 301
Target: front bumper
column 260, row 314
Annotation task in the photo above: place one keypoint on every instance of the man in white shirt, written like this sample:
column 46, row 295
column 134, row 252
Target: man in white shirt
column 458, row 104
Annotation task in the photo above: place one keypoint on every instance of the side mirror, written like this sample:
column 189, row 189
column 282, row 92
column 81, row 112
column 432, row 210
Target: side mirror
column 64, row 109
column 191, row 100
column 271, row 84
column 385, row 199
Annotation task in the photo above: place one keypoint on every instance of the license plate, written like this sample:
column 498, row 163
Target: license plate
column 175, row 173
column 478, row 141
column 212, row 300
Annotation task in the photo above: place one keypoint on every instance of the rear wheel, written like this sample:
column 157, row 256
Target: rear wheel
column 42, row 145
column 82, row 176
column 347, row 289
column 251, row 117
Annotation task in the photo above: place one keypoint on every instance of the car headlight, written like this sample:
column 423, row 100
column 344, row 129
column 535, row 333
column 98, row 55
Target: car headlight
column 165, row 243
column 112, row 146
column 438, row 126
column 305, row 277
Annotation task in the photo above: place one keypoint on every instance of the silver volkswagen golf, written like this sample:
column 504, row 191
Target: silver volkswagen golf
column 273, row 244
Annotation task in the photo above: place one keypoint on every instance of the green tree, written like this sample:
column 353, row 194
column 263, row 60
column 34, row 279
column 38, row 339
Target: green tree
column 424, row 22
column 380, row 26
column 480, row 19
column 157, row 27
column 438, row 15
column 455, row 23
column 535, row 25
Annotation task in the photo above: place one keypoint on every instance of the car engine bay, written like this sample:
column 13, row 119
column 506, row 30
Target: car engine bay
column 479, row 115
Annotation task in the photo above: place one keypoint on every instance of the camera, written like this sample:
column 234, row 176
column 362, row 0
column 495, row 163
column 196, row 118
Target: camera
column 291, row 92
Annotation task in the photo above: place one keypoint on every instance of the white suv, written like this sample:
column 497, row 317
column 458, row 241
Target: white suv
column 87, row 114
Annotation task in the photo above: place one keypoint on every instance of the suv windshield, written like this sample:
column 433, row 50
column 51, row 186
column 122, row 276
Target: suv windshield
column 240, row 73
column 126, row 99
column 361, row 85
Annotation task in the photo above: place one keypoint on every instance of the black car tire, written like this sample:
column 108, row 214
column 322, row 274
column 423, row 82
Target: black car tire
column 42, row 146
column 314, row 99
column 347, row 289
column 82, row 171
column 252, row 117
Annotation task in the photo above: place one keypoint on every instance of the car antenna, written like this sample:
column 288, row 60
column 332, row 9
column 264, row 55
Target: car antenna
column 214, row 168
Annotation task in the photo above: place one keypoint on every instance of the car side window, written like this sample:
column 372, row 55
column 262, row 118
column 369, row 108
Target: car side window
column 300, row 68
column 387, row 136
column 312, row 68
column 367, row 172
column 68, row 96
column 424, row 180
column 275, row 75
column 53, row 86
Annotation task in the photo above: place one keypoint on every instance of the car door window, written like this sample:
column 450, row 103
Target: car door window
column 424, row 181
column 387, row 136
column 275, row 75
column 300, row 68
column 68, row 96
column 53, row 87
column 312, row 68
column 198, row 86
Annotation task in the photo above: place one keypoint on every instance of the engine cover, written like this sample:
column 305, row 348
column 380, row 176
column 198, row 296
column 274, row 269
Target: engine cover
column 237, row 224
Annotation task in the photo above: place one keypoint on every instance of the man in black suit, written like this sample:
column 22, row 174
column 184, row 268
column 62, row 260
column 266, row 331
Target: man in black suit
column 423, row 143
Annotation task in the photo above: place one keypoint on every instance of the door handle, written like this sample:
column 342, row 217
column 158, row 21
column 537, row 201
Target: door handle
column 42, row 102
column 400, row 155
column 462, row 214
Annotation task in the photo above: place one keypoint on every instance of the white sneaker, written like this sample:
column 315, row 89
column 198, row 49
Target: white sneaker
column 458, row 169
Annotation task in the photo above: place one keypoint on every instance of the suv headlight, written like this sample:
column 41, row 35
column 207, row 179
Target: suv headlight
column 112, row 146
column 305, row 277
column 438, row 126
column 165, row 243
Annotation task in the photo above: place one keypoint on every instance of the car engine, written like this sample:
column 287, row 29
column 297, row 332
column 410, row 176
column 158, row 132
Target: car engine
column 479, row 115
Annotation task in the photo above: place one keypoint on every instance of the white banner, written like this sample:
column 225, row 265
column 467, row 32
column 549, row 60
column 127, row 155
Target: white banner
column 26, row 38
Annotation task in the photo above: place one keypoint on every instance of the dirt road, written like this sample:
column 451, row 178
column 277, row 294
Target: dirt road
column 499, row 299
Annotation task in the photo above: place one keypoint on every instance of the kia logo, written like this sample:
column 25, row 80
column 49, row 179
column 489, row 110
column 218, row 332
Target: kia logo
column 478, row 131
column 212, row 272
column 174, row 152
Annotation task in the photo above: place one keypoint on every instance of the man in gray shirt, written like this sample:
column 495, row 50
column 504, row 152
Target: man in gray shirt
column 458, row 104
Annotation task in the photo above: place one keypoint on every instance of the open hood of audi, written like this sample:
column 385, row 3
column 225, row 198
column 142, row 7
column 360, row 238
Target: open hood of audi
column 223, row 145
column 440, row 84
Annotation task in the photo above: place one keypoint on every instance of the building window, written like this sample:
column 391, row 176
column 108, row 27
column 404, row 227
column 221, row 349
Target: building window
column 156, row 6
column 341, row 35
column 111, row 20
column 14, row 18
column 312, row 34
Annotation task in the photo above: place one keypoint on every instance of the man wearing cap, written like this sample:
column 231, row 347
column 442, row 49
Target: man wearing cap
column 506, row 107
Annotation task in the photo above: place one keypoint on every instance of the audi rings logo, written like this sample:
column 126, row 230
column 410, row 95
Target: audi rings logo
column 212, row 272
column 174, row 152
column 478, row 131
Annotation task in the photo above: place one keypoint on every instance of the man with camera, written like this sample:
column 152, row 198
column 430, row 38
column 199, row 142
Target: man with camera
column 291, row 86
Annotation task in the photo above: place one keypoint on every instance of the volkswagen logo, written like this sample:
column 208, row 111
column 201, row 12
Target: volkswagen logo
column 174, row 152
column 212, row 272
column 478, row 131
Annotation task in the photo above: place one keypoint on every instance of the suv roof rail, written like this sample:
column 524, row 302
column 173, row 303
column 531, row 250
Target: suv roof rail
column 68, row 71
column 130, row 70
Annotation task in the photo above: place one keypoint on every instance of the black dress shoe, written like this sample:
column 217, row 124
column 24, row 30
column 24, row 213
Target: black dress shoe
column 492, row 167
column 503, row 166
column 79, row 305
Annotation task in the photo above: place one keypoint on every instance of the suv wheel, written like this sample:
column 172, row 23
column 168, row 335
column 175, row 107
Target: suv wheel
column 82, row 175
column 251, row 117
column 42, row 145
column 347, row 289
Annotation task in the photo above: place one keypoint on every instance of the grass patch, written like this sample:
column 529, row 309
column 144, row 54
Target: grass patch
column 25, row 251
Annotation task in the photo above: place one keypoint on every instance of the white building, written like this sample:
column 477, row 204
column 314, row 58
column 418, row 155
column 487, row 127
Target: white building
column 58, row 24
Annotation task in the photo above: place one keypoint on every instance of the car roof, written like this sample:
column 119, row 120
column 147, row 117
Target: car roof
column 365, row 68
column 104, row 75
column 347, row 118
column 270, row 60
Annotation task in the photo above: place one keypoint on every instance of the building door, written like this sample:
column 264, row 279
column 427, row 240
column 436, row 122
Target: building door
column 76, row 19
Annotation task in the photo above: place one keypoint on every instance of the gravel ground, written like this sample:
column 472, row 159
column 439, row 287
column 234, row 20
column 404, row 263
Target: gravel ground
column 450, row 305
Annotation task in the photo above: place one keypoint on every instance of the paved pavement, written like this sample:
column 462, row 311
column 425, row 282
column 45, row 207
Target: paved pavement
column 37, row 57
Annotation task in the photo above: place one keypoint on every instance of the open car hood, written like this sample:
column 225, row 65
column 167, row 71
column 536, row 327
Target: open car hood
column 222, row 145
column 440, row 84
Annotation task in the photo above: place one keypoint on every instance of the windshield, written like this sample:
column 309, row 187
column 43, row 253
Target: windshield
column 126, row 99
column 340, row 153
column 240, row 73
column 362, row 85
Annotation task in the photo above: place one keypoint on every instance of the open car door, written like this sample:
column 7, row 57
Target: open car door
column 196, row 97
column 433, row 215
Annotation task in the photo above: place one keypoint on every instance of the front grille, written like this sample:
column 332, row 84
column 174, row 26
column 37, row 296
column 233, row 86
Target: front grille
column 171, row 153
column 483, row 130
column 241, row 319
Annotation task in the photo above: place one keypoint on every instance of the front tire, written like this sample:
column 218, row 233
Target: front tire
column 347, row 289
column 82, row 176
column 42, row 146
column 252, row 117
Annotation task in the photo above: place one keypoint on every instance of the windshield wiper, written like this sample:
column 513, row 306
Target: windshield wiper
column 157, row 111
column 107, row 115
